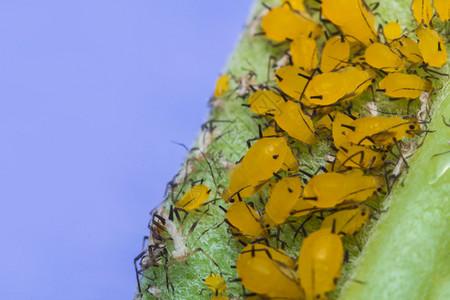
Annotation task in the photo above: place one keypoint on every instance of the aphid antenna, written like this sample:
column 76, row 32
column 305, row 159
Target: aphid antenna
column 209, row 125
column 428, row 70
column 212, row 201
column 206, row 230
column 185, row 177
column 211, row 170
column 307, row 83
column 361, row 190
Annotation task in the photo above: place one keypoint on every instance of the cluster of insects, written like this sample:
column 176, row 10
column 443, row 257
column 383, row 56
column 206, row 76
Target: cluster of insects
column 329, row 61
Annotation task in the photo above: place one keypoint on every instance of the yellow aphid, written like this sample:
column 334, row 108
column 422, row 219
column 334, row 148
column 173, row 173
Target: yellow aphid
column 221, row 86
column 292, row 81
column 304, row 53
column 379, row 131
column 347, row 221
column 265, row 157
column 442, row 8
column 284, row 196
column 282, row 23
column 339, row 132
column 353, row 18
column 400, row 85
column 331, row 87
column 245, row 219
column 194, row 198
column 296, row 123
column 264, row 102
column 262, row 250
column 359, row 156
column 384, row 58
column 287, row 114
column 265, row 275
column 329, row 189
column 408, row 48
column 422, row 11
column 216, row 283
column 335, row 53
column 296, row 4
column 392, row 30
column 431, row 46
column 319, row 263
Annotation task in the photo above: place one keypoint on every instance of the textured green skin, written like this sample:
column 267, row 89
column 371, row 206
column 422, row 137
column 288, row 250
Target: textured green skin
column 408, row 255
column 413, row 267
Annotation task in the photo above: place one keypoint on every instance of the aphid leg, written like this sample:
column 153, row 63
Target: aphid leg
column 137, row 258
column 361, row 158
column 426, row 68
column 174, row 210
column 366, row 138
column 306, row 173
column 374, row 5
column 209, row 257
column 302, row 228
column 445, row 122
column 272, row 59
column 205, row 231
column 409, row 104
column 191, row 230
column 442, row 153
column 369, row 165
column 168, row 283
column 321, row 168
column 346, row 256
column 277, row 236
column 400, row 152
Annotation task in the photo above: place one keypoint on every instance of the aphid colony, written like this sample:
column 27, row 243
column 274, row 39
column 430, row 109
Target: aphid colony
column 332, row 62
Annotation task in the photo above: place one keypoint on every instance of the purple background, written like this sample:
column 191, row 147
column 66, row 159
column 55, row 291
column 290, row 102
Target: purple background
column 92, row 93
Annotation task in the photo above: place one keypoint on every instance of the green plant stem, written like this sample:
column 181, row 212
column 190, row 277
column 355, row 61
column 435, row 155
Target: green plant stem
column 407, row 253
